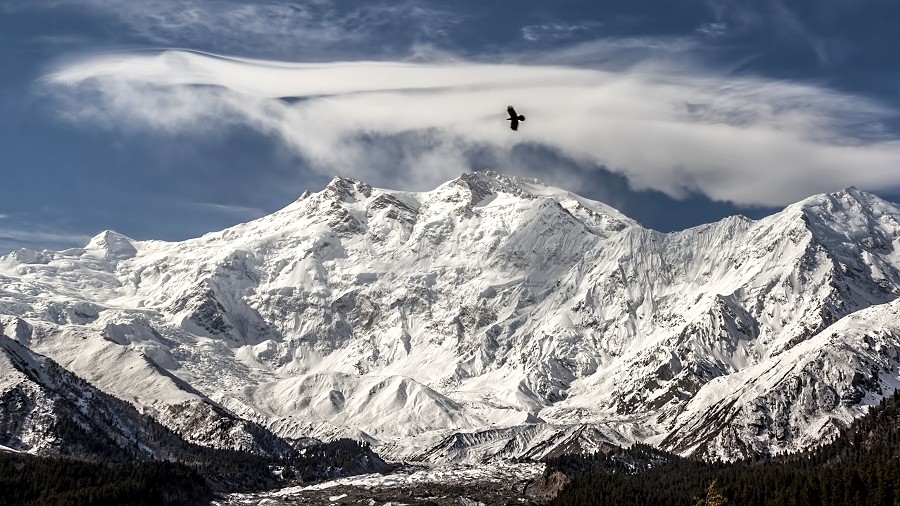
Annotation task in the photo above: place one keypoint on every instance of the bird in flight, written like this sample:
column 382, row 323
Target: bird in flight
column 514, row 118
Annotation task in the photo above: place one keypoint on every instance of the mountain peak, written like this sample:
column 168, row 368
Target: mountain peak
column 347, row 189
column 495, row 182
column 111, row 245
column 848, row 195
column 853, row 193
column 865, row 198
column 846, row 204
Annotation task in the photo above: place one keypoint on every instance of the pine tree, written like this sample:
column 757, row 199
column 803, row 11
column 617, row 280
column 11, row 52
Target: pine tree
column 714, row 496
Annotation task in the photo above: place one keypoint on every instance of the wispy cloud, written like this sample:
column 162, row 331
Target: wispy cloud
column 779, row 20
column 713, row 29
column 272, row 28
column 25, row 235
column 616, row 54
column 559, row 31
column 243, row 212
column 675, row 129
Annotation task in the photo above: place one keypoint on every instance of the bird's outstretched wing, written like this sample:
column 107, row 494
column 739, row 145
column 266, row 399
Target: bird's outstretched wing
column 513, row 118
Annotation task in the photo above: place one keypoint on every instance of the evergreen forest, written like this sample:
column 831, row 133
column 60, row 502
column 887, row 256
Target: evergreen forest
column 31, row 480
column 859, row 468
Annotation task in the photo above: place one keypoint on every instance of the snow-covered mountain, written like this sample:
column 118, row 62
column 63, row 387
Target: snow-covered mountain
column 491, row 317
column 48, row 410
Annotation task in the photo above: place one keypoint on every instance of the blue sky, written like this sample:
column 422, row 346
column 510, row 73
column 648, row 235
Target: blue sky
column 165, row 119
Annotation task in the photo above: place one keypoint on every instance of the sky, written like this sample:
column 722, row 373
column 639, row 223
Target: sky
column 167, row 119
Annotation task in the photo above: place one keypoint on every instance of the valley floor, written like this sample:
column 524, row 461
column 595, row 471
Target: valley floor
column 486, row 484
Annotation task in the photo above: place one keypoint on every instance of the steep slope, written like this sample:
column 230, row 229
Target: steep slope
column 46, row 410
column 44, row 388
column 493, row 315
column 804, row 394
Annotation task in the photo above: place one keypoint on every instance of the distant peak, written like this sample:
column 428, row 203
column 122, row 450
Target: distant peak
column 111, row 245
column 107, row 236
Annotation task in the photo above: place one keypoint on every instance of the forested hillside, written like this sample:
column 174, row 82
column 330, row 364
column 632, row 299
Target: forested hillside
column 861, row 467
column 30, row 480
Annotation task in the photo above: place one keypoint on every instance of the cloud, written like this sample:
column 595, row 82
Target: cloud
column 558, row 31
column 781, row 21
column 664, row 126
column 715, row 29
column 223, row 209
column 267, row 28
column 21, row 235
column 617, row 54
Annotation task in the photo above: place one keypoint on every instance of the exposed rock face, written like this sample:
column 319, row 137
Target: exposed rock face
column 545, row 487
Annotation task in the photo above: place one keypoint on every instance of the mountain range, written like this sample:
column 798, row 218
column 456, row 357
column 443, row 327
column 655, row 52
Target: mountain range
column 492, row 317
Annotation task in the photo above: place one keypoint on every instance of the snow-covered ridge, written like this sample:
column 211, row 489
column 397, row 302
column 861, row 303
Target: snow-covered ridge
column 491, row 316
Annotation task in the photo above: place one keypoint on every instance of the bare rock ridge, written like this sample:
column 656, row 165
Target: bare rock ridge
column 492, row 317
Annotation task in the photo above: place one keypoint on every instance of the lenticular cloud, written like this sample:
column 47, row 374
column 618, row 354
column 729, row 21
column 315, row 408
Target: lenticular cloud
column 743, row 139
